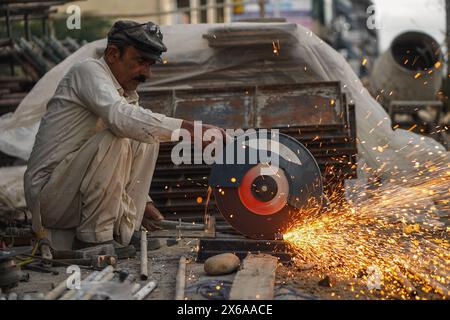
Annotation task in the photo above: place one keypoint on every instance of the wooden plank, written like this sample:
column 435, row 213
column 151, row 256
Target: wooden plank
column 256, row 280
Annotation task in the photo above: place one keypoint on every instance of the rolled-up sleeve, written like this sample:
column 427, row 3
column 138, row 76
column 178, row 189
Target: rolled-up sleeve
column 96, row 91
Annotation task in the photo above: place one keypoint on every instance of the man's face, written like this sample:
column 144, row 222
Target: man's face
column 131, row 68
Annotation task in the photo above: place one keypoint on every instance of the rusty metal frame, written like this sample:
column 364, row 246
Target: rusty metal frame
column 176, row 190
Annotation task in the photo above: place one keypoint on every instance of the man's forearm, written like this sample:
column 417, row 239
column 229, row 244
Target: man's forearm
column 189, row 126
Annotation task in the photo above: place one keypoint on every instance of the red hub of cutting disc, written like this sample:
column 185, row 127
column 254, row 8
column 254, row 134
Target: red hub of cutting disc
column 279, row 198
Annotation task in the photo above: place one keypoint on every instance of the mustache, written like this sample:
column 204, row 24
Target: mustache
column 140, row 78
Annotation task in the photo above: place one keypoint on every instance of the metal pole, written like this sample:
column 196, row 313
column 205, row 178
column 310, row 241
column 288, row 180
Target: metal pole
column 27, row 28
column 180, row 279
column 227, row 11
column 9, row 35
column 44, row 27
column 144, row 258
column 145, row 291
column 8, row 24
column 211, row 13
column 194, row 4
column 262, row 8
column 73, row 292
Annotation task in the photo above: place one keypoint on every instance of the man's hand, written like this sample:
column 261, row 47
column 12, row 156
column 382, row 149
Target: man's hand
column 189, row 126
column 152, row 217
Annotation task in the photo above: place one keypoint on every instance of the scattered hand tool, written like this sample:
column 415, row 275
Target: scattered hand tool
column 97, row 257
column 104, row 249
column 38, row 268
column 98, row 262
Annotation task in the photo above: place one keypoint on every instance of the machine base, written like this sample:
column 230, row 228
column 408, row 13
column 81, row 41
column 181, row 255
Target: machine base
column 241, row 246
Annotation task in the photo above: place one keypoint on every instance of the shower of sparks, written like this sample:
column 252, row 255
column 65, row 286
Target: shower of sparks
column 391, row 227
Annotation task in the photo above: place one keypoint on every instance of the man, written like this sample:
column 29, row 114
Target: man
column 96, row 149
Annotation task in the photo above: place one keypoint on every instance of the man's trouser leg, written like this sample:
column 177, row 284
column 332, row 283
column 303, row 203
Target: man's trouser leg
column 115, row 190
column 115, row 176
column 142, row 169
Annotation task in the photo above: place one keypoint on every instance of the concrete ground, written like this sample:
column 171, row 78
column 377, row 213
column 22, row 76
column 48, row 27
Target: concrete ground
column 292, row 282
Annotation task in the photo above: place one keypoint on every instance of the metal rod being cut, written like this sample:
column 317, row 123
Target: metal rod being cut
column 181, row 279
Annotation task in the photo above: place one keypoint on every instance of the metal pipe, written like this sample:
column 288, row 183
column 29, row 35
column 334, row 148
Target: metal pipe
column 27, row 27
column 262, row 8
column 57, row 291
column 44, row 27
column 96, row 284
column 72, row 292
column 144, row 258
column 9, row 35
column 135, row 288
column 181, row 279
column 145, row 291
column 195, row 13
column 8, row 23
column 103, row 273
column 211, row 12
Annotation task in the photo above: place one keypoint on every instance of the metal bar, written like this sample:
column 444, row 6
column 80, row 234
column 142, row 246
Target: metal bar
column 211, row 13
column 55, row 262
column 27, row 27
column 72, row 292
column 227, row 11
column 262, row 8
column 88, row 295
column 9, row 35
column 8, row 23
column 57, row 291
column 175, row 11
column 16, row 2
column 145, row 291
column 44, row 27
column 31, row 15
column 181, row 279
column 144, row 258
column 103, row 276
column 194, row 12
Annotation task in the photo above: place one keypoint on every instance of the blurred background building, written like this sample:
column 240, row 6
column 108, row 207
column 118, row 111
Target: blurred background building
column 341, row 23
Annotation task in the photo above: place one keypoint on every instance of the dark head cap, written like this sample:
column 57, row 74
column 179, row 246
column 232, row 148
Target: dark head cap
column 146, row 37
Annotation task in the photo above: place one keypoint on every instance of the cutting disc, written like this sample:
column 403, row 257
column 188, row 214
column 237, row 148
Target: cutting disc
column 263, row 182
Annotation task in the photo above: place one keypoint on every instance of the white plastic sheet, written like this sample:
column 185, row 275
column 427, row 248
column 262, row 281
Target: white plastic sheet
column 12, row 196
